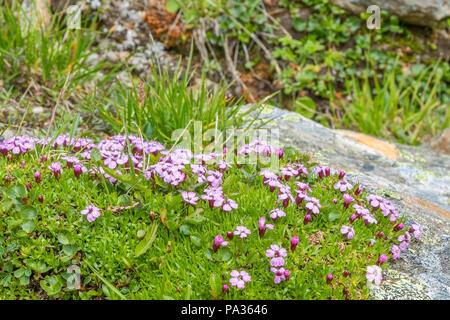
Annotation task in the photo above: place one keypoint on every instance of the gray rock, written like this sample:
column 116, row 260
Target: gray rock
column 418, row 12
column 415, row 179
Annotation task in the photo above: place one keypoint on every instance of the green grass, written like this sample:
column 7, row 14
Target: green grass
column 168, row 103
column 321, row 50
column 395, row 108
column 45, row 55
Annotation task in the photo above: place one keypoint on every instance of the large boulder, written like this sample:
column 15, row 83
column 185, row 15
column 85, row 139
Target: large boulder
column 418, row 12
column 415, row 179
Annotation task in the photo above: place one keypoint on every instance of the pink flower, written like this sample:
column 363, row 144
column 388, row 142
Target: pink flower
column 277, row 254
column 347, row 200
column 37, row 177
column 275, row 214
column 294, row 242
column 313, row 205
column 91, row 213
column 189, row 197
column 382, row 259
column 229, row 204
column 416, row 230
column 329, row 278
column 404, row 240
column 395, row 251
column 262, row 226
column 343, row 186
column 56, row 168
column 307, row 219
column 218, row 242
column 280, row 274
column 374, row 273
column 348, row 232
column 242, row 232
column 239, row 278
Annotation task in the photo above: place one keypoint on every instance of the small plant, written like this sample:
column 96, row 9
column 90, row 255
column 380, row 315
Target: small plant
column 46, row 55
column 395, row 108
column 167, row 102
column 141, row 222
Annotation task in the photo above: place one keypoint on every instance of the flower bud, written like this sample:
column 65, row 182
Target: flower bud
column 152, row 215
column 225, row 288
column 307, row 219
column 346, row 273
column 287, row 274
column 380, row 234
column 23, row 164
column 8, row 179
column 28, row 185
column 329, row 278
column 37, row 177
column 399, row 227
column 334, row 200
column 44, row 158
column 353, row 218
column 341, row 175
column 358, row 191
column 294, row 242
column 41, row 199
column 77, row 170
column 382, row 259
column 230, row 235
column 327, row 171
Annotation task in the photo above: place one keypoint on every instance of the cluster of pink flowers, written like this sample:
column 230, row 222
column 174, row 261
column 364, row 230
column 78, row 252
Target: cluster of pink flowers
column 180, row 167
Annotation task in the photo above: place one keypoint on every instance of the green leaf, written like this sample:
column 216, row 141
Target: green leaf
column 215, row 283
column 145, row 244
column 333, row 216
column 28, row 226
column 28, row 213
column 172, row 6
column 195, row 219
column 52, row 285
column 96, row 155
column 39, row 266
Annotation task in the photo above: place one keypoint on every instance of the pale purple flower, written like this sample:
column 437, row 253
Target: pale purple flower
column 374, row 273
column 276, row 253
column 189, row 197
column 375, row 201
column 275, row 214
column 395, row 251
column 302, row 186
column 91, row 213
column 313, row 205
column 242, row 232
column 239, row 278
column 416, row 230
column 347, row 232
column 404, row 240
column 343, row 186
column 229, row 205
